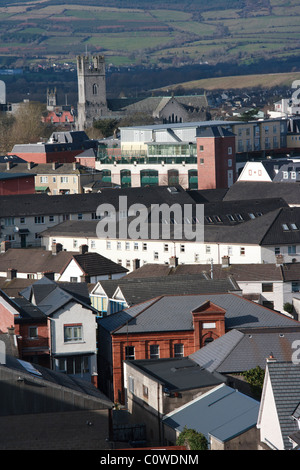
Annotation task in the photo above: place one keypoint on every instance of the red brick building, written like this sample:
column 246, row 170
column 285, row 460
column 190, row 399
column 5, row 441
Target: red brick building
column 158, row 329
column 17, row 183
column 31, row 328
column 173, row 326
column 61, row 147
column 216, row 161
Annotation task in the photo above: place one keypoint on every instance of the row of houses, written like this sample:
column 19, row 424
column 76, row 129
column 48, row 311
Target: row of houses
column 164, row 327
column 169, row 359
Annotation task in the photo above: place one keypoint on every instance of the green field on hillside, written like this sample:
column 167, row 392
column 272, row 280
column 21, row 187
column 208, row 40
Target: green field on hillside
column 164, row 34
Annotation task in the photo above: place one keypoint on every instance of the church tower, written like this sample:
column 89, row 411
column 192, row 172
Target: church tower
column 92, row 104
column 51, row 99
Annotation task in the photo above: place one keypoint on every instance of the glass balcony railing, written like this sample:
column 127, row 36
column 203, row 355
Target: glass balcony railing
column 143, row 158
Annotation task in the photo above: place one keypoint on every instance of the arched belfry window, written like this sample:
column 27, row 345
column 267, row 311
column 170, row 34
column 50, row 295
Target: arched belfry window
column 95, row 89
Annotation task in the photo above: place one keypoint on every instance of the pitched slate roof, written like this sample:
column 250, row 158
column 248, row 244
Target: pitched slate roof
column 94, row 264
column 289, row 168
column 43, row 168
column 150, row 104
column 237, row 212
column 238, row 351
column 39, row 375
column 239, row 272
column 14, row 286
column 49, row 296
column 43, row 204
column 34, row 260
column 285, row 382
column 173, row 313
column 38, row 260
column 225, row 414
column 267, row 229
column 139, row 290
column 242, row 190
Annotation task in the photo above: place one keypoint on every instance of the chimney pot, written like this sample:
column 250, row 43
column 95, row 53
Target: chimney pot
column 271, row 358
column 84, row 249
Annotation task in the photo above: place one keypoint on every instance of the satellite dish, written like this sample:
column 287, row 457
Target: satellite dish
column 16, row 229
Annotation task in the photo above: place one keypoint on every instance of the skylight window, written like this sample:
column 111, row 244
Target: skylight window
column 294, row 227
column 285, row 227
column 231, row 218
column 29, row 368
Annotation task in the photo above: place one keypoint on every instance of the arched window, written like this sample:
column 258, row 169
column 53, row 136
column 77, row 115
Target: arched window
column 95, row 89
column 149, row 178
column 106, row 176
column 125, row 178
column 173, row 177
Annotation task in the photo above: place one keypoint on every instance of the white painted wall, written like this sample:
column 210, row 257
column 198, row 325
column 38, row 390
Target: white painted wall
column 29, row 223
column 254, row 171
column 74, row 313
column 268, row 254
column 159, row 251
column 268, row 422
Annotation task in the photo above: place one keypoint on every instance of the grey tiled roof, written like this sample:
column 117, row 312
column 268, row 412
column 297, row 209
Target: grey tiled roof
column 94, row 264
column 242, row 190
column 50, row 296
column 46, row 376
column 140, row 290
column 238, row 351
column 285, row 381
column 43, row 204
column 173, row 313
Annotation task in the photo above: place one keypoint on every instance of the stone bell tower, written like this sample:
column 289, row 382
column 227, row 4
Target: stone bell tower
column 92, row 104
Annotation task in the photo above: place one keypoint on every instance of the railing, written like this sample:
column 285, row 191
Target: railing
column 144, row 159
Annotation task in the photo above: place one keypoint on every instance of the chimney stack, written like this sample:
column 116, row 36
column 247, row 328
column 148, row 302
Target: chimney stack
column 56, row 248
column 83, row 249
column 5, row 245
column 173, row 262
column 29, row 165
column 136, row 264
column 11, row 273
column 225, row 261
column 9, row 165
column 279, row 260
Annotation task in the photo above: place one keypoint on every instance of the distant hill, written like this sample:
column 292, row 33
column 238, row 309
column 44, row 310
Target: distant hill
column 240, row 82
column 139, row 33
